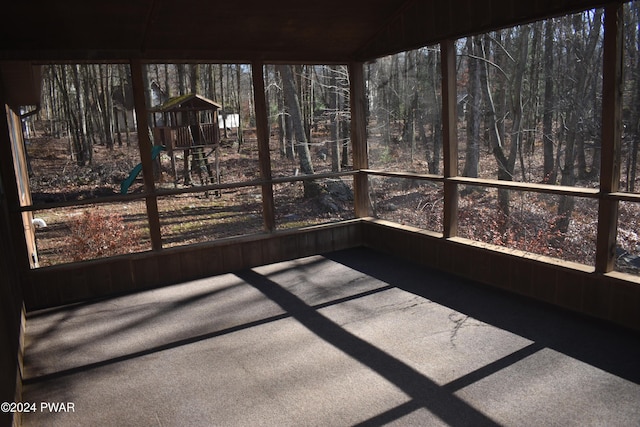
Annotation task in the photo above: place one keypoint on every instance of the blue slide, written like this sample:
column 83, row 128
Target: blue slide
column 124, row 185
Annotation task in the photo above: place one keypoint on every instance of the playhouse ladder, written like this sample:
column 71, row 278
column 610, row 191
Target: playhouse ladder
column 201, row 165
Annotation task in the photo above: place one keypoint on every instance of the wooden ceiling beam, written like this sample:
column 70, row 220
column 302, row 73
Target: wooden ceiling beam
column 332, row 31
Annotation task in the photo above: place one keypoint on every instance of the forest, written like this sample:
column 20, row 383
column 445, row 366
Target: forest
column 529, row 102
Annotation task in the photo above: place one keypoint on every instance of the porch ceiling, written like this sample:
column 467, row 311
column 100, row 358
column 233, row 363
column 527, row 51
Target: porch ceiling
column 287, row 30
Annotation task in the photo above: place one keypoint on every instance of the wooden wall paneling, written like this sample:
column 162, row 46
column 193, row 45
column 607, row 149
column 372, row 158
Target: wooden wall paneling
column 414, row 247
column 390, row 241
column 481, row 14
column 121, row 275
column 429, row 251
column 368, row 234
column 284, row 247
column 377, row 237
column 396, row 26
column 358, row 234
column 306, row 244
column 483, row 267
column 252, row 253
column 29, row 285
column 611, row 137
column 75, row 286
column 324, row 240
column 463, row 259
column 191, row 264
column 466, row 10
column 403, row 245
column 544, row 283
column 501, row 267
column 232, row 257
column 169, row 267
column 541, row 5
column 448, row 253
column 625, row 300
column 414, row 24
column 569, row 290
column 46, row 290
column 521, row 277
column 345, row 235
column 212, row 259
column 146, row 272
column 100, row 281
column 596, row 300
column 443, row 11
column 275, row 248
column 503, row 10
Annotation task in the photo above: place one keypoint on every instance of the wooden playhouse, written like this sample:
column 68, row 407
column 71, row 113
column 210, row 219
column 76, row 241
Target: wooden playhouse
column 189, row 124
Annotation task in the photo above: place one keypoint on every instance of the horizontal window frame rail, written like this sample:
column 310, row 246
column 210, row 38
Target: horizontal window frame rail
column 624, row 197
column 410, row 175
column 172, row 192
column 327, row 175
column 83, row 202
column 592, row 193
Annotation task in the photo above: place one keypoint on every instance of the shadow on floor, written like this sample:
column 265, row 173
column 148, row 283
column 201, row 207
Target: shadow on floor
column 605, row 346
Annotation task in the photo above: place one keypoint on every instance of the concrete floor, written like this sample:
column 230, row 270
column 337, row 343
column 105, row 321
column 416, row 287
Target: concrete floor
column 350, row 338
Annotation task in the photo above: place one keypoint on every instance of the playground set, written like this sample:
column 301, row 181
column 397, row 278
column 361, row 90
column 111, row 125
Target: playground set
column 187, row 124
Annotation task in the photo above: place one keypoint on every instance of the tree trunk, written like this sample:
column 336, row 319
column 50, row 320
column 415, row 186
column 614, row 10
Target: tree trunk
column 335, row 125
column 194, row 78
column 516, row 101
column 106, row 104
column 584, row 56
column 436, row 121
column 239, row 106
column 344, row 129
column 549, row 169
column 311, row 188
column 473, row 112
column 85, row 151
column 632, row 115
column 181, row 79
column 223, row 114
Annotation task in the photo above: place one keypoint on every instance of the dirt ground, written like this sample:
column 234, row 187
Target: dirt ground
column 87, row 231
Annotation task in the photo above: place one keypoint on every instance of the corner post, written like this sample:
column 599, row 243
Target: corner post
column 357, row 100
column 611, row 137
column 449, row 137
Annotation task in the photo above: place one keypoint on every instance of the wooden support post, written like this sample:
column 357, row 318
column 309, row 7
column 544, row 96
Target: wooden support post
column 262, row 133
column 358, row 101
column 144, row 146
column 611, row 137
column 449, row 137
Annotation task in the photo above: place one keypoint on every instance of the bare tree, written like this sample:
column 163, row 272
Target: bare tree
column 474, row 109
column 549, row 101
column 587, row 39
column 311, row 188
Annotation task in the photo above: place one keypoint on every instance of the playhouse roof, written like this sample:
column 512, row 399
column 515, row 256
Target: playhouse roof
column 188, row 102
